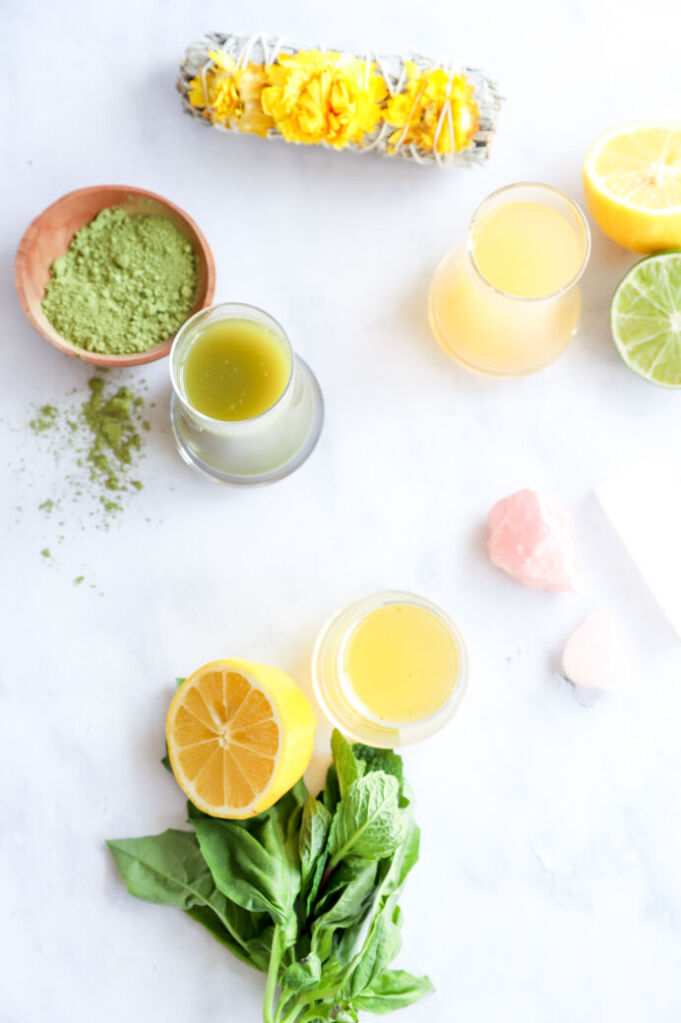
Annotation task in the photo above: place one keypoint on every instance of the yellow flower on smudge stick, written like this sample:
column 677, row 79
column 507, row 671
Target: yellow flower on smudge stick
column 252, row 81
column 417, row 112
column 230, row 95
column 316, row 97
column 217, row 89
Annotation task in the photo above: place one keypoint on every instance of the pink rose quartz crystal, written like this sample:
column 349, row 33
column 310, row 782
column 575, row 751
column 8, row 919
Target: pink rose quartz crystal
column 532, row 539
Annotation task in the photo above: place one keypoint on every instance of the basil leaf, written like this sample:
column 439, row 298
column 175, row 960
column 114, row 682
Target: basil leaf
column 193, row 813
column 368, row 823
column 166, row 868
column 348, row 769
column 392, row 989
column 259, row 948
column 314, row 831
column 284, row 810
column 302, row 975
column 169, row 869
column 278, row 834
column 248, row 873
column 246, row 949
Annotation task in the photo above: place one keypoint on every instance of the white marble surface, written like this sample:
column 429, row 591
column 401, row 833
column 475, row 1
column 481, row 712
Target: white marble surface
column 550, row 881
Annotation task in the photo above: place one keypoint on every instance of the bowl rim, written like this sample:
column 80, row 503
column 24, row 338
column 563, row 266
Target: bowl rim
column 158, row 351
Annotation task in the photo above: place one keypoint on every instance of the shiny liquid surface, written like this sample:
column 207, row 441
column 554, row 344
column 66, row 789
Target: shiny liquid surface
column 527, row 249
column 400, row 663
column 235, row 370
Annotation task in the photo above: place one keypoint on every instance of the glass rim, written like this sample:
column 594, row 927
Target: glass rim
column 210, row 421
column 575, row 208
column 406, row 732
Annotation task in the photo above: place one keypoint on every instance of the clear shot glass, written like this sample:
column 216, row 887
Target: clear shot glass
column 333, row 686
column 495, row 332
column 245, row 452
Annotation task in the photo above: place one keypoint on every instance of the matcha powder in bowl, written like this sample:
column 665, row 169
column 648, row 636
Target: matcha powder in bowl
column 127, row 282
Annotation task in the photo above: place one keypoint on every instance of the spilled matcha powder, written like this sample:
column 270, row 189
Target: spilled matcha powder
column 126, row 283
column 44, row 418
column 102, row 438
column 113, row 434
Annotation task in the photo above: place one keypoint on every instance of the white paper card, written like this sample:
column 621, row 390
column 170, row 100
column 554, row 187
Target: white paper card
column 644, row 505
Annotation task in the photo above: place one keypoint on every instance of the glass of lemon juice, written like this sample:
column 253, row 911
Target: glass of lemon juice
column 244, row 409
column 506, row 303
column 390, row 669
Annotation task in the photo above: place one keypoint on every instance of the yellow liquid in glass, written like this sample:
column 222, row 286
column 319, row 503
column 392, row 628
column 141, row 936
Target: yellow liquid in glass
column 401, row 663
column 235, row 369
column 528, row 251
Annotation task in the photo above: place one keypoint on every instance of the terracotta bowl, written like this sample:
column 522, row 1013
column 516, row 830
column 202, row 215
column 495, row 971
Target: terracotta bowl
column 50, row 234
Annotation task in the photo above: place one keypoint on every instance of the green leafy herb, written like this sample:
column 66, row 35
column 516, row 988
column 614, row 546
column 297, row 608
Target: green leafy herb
column 367, row 823
column 348, row 768
column 314, row 833
column 169, row 869
column 245, row 871
column 380, row 760
column 392, row 989
column 306, row 892
column 331, row 794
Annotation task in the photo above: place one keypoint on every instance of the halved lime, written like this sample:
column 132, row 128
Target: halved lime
column 645, row 317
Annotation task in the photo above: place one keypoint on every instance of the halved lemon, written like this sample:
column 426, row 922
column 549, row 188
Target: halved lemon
column 239, row 736
column 632, row 183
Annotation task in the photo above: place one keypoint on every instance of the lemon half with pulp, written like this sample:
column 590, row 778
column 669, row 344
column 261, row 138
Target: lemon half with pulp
column 239, row 736
column 632, row 183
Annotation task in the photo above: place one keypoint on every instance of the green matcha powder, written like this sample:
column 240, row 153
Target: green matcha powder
column 126, row 283
column 103, row 434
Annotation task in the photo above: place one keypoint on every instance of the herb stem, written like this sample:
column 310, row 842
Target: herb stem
column 298, row 1007
column 292, row 1015
column 311, row 1014
column 272, row 974
column 285, row 998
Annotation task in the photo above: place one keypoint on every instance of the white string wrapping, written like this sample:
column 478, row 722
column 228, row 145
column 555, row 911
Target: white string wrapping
column 259, row 49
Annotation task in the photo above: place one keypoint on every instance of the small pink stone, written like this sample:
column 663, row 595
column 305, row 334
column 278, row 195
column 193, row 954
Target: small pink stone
column 532, row 539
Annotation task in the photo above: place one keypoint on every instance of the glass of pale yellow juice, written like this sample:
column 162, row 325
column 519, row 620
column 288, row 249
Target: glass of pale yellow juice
column 390, row 669
column 245, row 409
column 507, row 302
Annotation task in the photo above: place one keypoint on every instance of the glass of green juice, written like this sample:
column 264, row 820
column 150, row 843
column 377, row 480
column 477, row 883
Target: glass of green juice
column 245, row 409
column 390, row 669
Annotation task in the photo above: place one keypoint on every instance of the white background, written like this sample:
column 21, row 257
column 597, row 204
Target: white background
column 549, row 887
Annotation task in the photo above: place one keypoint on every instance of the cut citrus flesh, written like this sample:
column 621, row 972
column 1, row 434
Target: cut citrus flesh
column 645, row 317
column 632, row 183
column 239, row 736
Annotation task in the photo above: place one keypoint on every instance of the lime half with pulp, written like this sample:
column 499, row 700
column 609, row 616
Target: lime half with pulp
column 645, row 317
